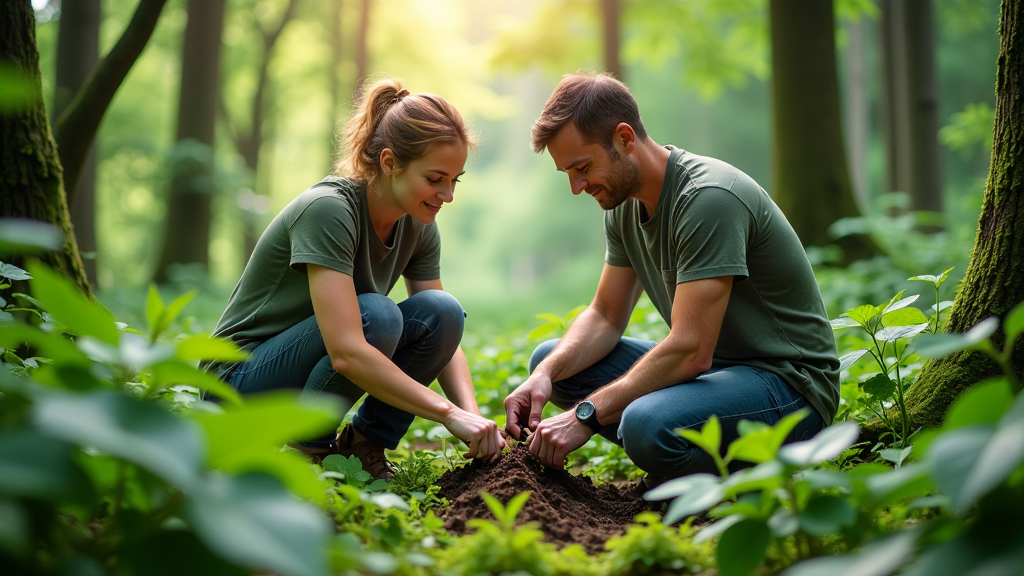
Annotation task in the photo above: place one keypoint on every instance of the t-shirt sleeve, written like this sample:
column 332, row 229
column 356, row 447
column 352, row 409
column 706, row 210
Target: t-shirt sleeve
column 425, row 263
column 712, row 229
column 325, row 234
column 615, row 250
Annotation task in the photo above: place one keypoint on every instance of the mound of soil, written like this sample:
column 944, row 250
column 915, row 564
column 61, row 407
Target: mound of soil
column 569, row 509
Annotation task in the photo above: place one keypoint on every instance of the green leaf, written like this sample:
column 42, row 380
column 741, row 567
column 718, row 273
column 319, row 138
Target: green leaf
column 763, row 444
column 495, row 506
column 899, row 303
column 1013, row 325
column 144, row 434
column 551, row 318
column 826, row 515
column 15, row 528
column 985, row 403
column 209, row 348
column 252, row 520
column 576, row 312
column 709, row 531
column 350, row 466
column 542, row 330
column 894, row 333
column 21, row 236
column 944, row 305
column 389, row 500
column 68, row 306
column 709, row 438
column 861, row 314
column 840, row 323
column 937, row 345
column 880, row 386
column 35, row 466
column 133, row 351
column 154, row 311
column 12, row 272
column 172, row 372
column 515, row 505
column 952, row 456
column 896, row 455
column 680, row 486
column 878, row 558
column 741, row 548
column 850, row 358
column 892, row 486
column 826, row 445
column 765, row 476
column 176, row 306
column 173, row 553
column 1001, row 455
column 904, row 317
column 818, row 479
column 699, row 498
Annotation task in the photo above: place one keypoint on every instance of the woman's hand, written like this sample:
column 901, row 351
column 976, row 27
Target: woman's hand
column 480, row 434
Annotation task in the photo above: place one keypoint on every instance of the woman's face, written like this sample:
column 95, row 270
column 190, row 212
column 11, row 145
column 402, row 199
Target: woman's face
column 425, row 184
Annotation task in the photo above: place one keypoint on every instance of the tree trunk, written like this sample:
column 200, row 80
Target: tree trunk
column 31, row 178
column 909, row 103
column 611, row 17
column 811, row 182
column 334, row 71
column 78, row 51
column 858, row 114
column 994, row 281
column 189, row 203
column 361, row 54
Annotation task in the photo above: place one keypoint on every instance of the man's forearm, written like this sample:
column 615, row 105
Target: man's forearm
column 591, row 337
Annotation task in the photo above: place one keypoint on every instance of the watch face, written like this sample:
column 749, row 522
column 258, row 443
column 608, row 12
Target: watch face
column 584, row 410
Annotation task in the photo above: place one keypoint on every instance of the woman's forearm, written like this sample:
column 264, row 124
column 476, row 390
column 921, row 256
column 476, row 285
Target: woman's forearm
column 457, row 383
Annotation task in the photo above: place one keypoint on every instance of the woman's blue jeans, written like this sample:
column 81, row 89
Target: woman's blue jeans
column 419, row 334
column 647, row 427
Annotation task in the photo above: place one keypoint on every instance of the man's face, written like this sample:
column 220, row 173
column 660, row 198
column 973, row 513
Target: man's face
column 610, row 178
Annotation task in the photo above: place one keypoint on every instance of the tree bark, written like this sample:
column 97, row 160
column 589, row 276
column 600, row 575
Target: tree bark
column 76, row 128
column 361, row 53
column 336, row 38
column 909, row 103
column 78, row 51
column 858, row 114
column 994, row 281
column 811, row 180
column 189, row 203
column 611, row 17
column 31, row 178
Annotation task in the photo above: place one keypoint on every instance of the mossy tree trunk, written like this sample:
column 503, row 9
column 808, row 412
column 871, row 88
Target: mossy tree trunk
column 811, row 182
column 994, row 281
column 31, row 178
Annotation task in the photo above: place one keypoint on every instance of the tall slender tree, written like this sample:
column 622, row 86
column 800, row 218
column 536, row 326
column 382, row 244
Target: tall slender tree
column 611, row 18
column 335, row 39
column 31, row 179
column 78, row 51
column 811, row 181
column 994, row 281
column 190, row 200
column 362, row 55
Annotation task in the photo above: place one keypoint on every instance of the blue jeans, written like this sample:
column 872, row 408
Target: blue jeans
column 420, row 335
column 647, row 428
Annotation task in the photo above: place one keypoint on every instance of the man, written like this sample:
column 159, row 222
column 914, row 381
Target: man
column 749, row 339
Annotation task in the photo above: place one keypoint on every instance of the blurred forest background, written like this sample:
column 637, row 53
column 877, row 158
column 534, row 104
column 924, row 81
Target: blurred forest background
column 915, row 86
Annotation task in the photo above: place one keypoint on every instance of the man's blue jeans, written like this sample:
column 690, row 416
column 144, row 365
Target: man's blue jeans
column 419, row 334
column 647, row 427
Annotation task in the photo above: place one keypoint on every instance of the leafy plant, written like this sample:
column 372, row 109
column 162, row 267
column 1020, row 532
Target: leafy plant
column 554, row 323
column 651, row 547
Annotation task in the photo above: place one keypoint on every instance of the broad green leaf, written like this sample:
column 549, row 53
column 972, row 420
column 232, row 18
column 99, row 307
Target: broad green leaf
column 937, row 345
column 169, row 446
column 841, row 322
column 1001, row 455
column 35, row 466
column 515, row 505
column 880, row 386
column 289, row 466
column 818, row 479
column 551, row 318
column 176, row 306
column 388, row 500
column 899, row 303
column 894, row 333
column 826, row 515
column 944, row 305
column 133, row 351
column 21, row 236
column 15, row 528
column 850, row 358
column 896, row 455
column 252, row 520
column 783, row 524
column 54, row 346
column 542, row 330
column 154, row 311
column 209, row 348
column 952, row 456
column 764, row 476
column 891, row 486
column 904, row 317
column 985, row 403
column 1013, row 325
column 878, row 558
column 826, row 445
column 495, row 506
column 709, row 531
column 680, row 486
column 709, row 438
column 349, row 466
column 697, row 499
column 763, row 445
column 173, row 372
column 741, row 548
column 862, row 314
column 936, row 280
column 68, row 306
column 12, row 272
column 6, row 318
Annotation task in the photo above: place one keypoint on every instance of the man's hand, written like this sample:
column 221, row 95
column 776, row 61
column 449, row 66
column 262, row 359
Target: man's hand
column 524, row 406
column 481, row 435
column 556, row 437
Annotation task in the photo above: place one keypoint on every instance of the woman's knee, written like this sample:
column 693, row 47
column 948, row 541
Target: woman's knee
column 541, row 352
column 382, row 322
column 439, row 310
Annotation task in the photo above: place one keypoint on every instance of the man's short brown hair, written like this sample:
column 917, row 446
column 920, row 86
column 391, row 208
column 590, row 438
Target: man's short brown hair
column 595, row 104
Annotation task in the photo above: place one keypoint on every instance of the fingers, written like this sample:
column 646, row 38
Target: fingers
column 512, row 417
column 537, row 401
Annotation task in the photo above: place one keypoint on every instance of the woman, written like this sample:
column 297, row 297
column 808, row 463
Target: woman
column 311, row 306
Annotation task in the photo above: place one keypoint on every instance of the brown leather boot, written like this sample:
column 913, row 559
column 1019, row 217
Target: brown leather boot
column 370, row 453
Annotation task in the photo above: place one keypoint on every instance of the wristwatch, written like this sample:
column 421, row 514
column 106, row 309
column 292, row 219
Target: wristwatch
column 587, row 414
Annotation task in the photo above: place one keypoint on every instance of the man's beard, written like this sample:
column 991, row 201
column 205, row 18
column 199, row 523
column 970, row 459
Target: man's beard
column 624, row 181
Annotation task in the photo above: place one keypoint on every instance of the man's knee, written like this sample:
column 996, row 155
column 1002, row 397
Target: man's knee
column 382, row 322
column 541, row 352
column 652, row 444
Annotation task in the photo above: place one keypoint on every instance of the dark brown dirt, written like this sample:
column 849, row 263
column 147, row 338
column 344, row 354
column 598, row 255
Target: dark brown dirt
column 569, row 509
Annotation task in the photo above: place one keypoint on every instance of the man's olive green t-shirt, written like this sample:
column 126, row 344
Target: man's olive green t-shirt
column 713, row 220
column 327, row 225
